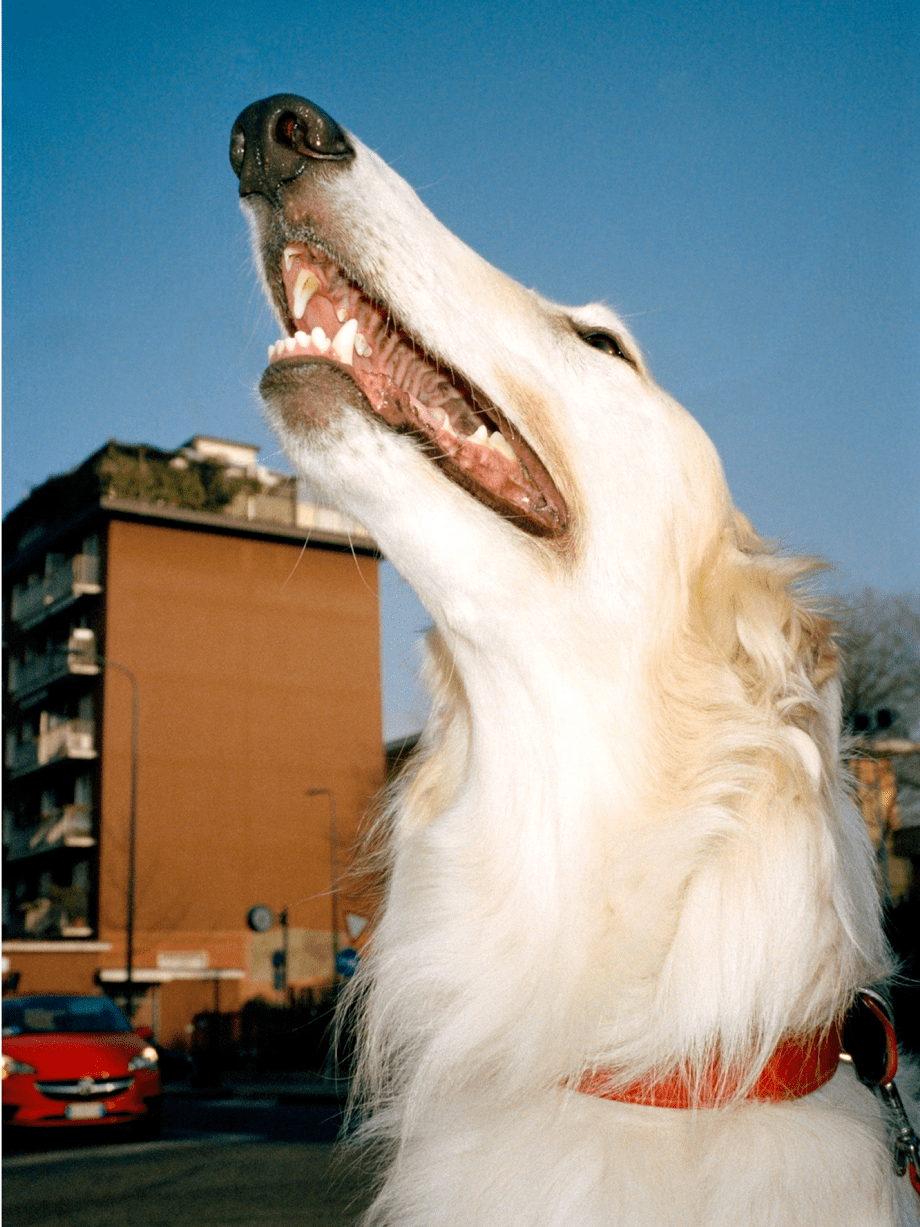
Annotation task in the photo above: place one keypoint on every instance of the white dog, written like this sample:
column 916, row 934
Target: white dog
column 629, row 899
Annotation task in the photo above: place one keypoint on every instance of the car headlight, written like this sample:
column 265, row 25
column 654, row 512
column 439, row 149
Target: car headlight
column 146, row 1059
column 9, row 1065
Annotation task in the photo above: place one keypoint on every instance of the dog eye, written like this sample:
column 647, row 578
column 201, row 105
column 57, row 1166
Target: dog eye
column 606, row 342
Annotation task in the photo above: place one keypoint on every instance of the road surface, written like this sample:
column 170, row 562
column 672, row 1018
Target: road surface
column 220, row 1163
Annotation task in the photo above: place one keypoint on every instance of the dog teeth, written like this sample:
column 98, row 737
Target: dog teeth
column 499, row 443
column 362, row 347
column 343, row 343
column 289, row 253
column 305, row 287
column 301, row 337
column 290, row 344
column 483, row 437
column 442, row 422
column 320, row 340
column 341, row 315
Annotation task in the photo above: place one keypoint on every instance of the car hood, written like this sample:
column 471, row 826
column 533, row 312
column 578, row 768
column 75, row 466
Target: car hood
column 75, row 1056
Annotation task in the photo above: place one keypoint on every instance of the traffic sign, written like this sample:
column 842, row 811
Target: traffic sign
column 346, row 962
column 260, row 918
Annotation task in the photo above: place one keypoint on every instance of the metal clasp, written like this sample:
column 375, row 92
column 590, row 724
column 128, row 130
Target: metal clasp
column 904, row 1143
column 869, row 1039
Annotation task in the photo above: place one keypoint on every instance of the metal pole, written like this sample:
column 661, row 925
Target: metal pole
column 132, row 817
column 132, row 834
column 334, row 868
column 334, row 857
column 283, row 919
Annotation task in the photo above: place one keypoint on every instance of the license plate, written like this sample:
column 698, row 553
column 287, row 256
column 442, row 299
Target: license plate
column 85, row 1111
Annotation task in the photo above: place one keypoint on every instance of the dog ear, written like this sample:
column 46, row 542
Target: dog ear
column 780, row 643
column 430, row 781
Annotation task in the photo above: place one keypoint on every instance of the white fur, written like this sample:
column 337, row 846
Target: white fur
column 624, row 842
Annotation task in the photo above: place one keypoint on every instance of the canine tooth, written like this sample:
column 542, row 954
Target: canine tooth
column 341, row 315
column 343, row 343
column 499, row 443
column 305, row 287
column 319, row 339
column 479, row 435
column 361, row 346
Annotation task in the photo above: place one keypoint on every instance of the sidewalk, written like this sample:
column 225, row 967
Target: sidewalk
column 287, row 1087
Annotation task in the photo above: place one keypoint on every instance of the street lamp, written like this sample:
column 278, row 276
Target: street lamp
column 334, row 859
column 96, row 659
column 132, row 835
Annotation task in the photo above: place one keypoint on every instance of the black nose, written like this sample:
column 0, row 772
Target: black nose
column 275, row 139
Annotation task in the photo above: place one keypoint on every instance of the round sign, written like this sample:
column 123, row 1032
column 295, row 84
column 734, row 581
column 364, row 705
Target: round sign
column 346, row 962
column 260, row 918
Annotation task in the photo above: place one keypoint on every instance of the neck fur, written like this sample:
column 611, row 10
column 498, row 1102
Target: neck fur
column 635, row 857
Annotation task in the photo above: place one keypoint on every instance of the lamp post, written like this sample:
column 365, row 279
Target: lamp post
column 334, row 864
column 95, row 658
column 132, row 837
column 285, row 950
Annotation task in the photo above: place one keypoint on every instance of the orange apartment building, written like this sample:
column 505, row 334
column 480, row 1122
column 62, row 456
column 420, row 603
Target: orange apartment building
column 247, row 618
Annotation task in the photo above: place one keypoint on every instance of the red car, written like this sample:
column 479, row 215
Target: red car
column 75, row 1061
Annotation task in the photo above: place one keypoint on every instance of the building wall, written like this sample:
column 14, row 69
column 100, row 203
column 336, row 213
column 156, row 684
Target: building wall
column 258, row 673
column 54, row 969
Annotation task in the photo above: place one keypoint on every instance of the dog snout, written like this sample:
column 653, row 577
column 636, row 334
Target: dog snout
column 277, row 139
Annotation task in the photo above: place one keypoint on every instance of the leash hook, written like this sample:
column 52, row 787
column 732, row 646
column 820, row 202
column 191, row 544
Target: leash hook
column 870, row 1041
column 905, row 1145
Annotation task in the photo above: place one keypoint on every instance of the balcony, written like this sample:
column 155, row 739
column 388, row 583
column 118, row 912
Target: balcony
column 71, row 826
column 78, row 656
column 69, row 739
column 57, row 912
column 282, row 506
column 32, row 603
column 27, row 602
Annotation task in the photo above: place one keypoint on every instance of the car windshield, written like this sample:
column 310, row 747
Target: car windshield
column 57, row 1015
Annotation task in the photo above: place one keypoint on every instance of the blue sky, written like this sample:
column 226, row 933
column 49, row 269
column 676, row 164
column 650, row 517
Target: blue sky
column 739, row 181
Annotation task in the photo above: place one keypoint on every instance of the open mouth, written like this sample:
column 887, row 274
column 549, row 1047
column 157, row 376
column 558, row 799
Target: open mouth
column 331, row 319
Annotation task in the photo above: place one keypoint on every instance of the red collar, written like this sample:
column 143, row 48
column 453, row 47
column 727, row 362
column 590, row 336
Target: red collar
column 797, row 1067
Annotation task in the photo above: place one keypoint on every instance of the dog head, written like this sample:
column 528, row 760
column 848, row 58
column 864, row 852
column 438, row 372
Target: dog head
column 514, row 458
column 481, row 432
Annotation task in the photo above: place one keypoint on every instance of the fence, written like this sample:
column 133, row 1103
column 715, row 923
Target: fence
column 264, row 1037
